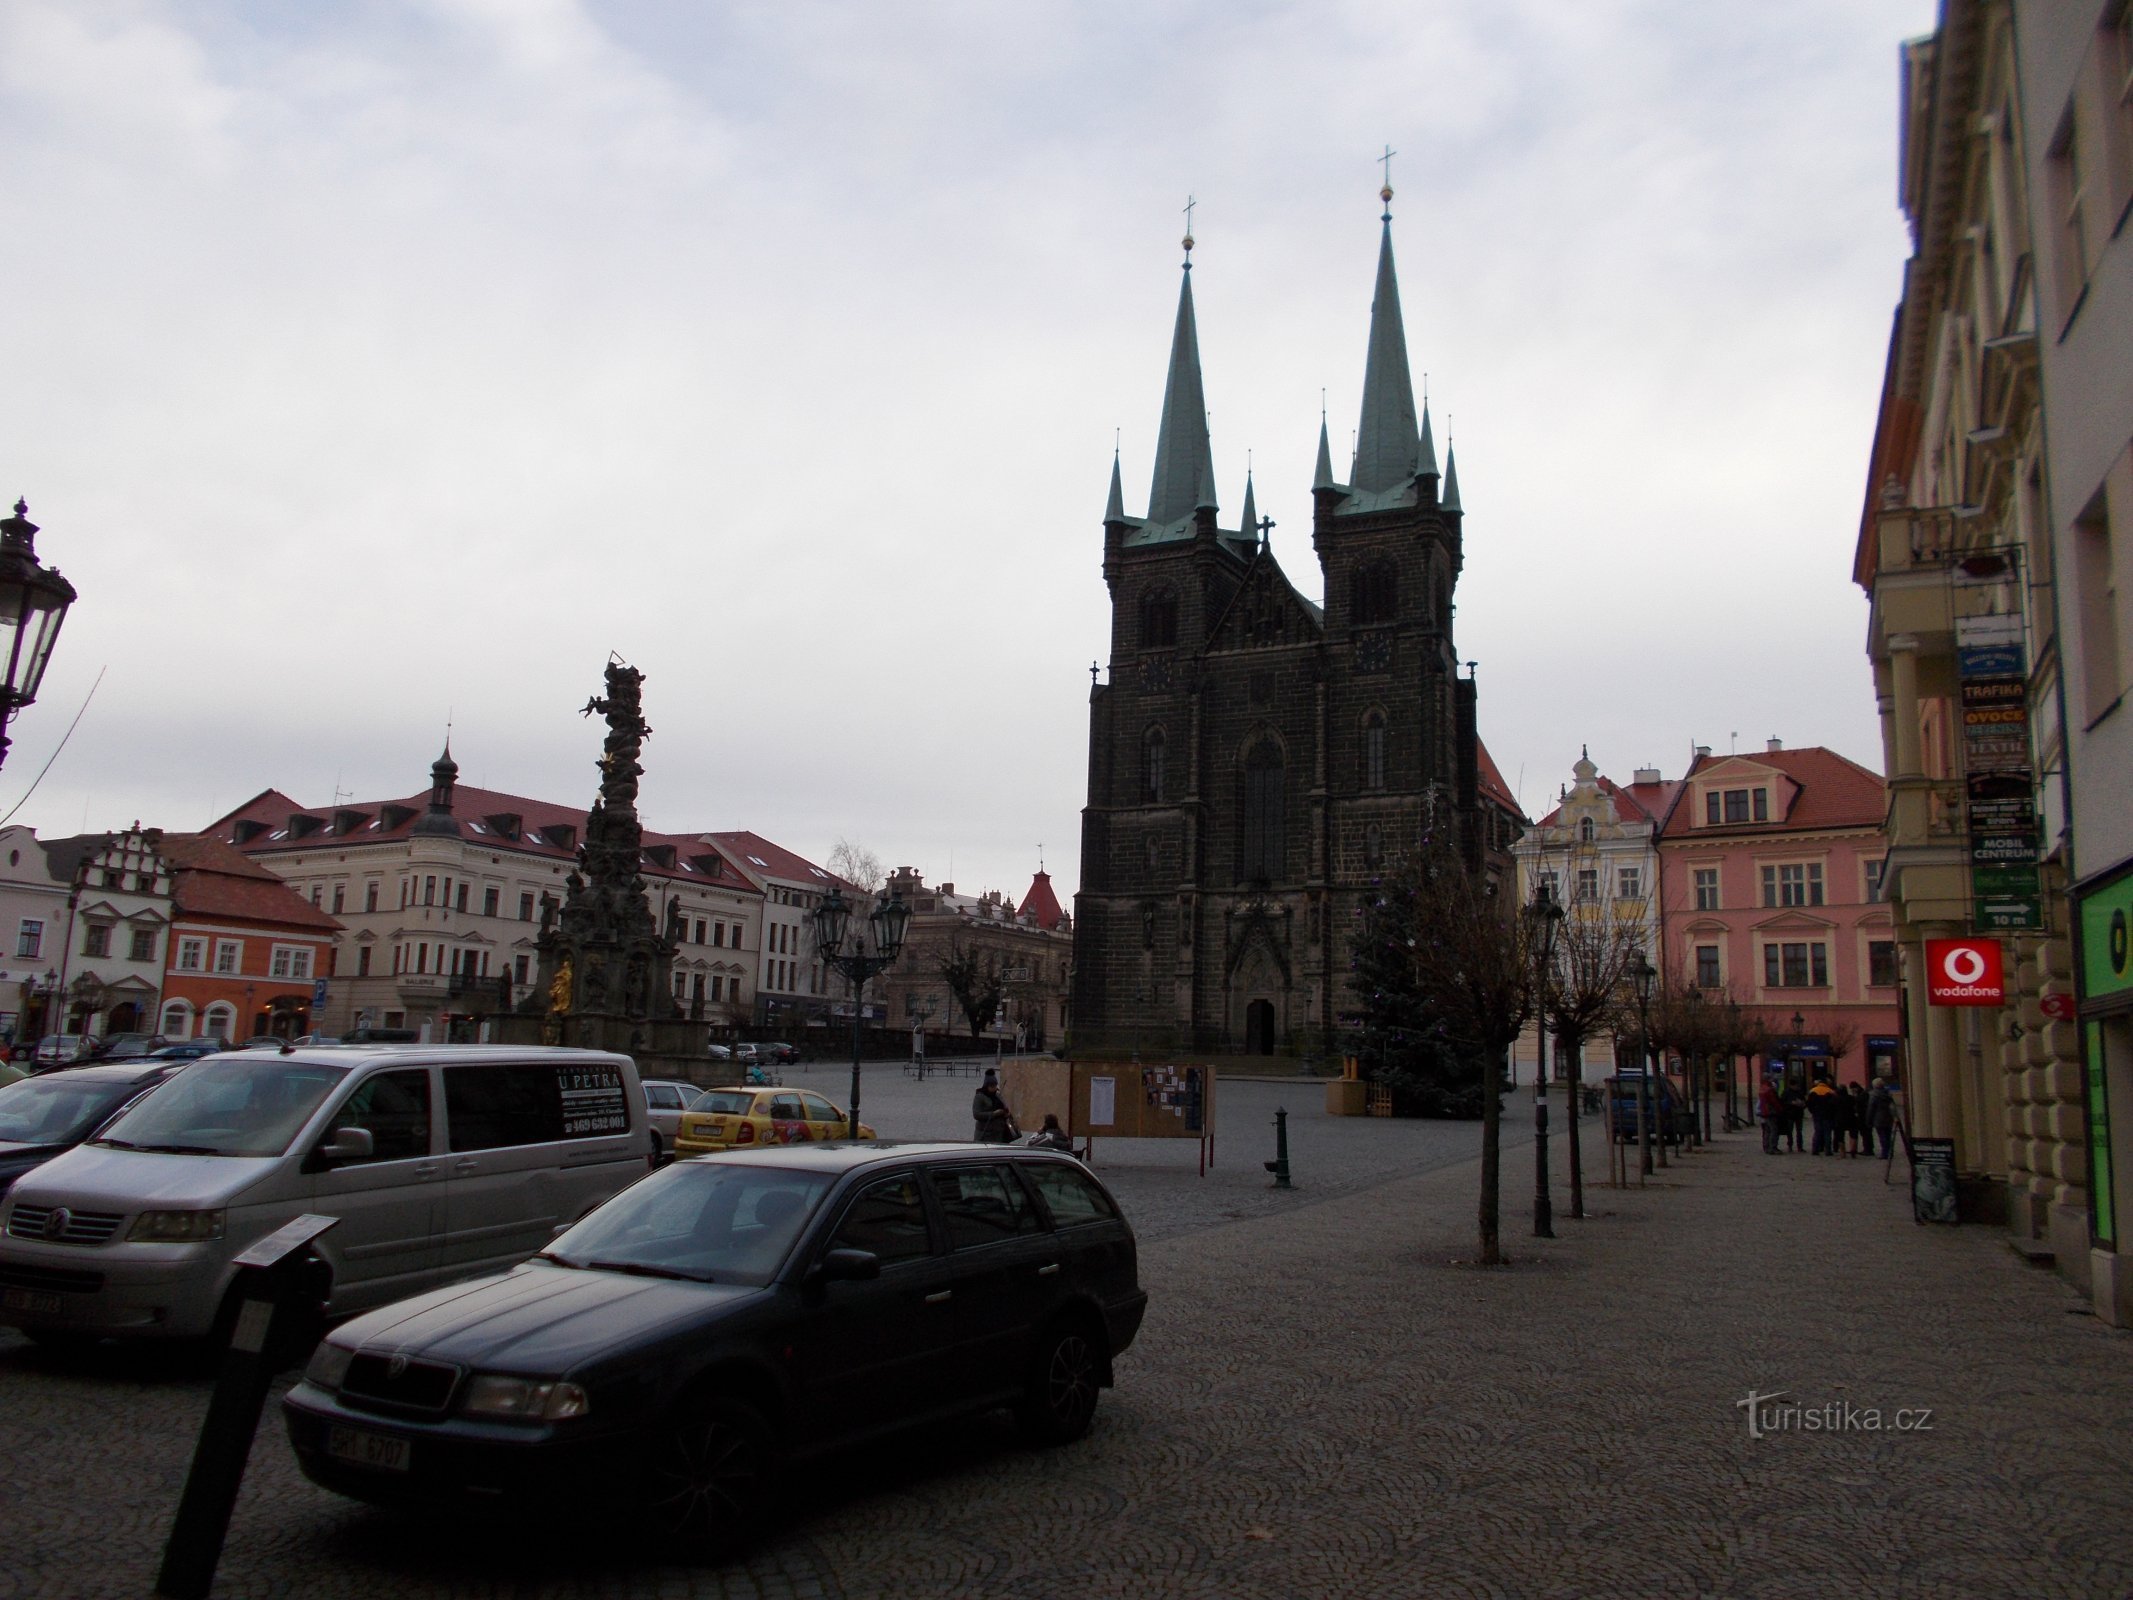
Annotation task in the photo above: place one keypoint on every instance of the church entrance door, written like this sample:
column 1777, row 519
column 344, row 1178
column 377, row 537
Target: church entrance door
column 1259, row 1028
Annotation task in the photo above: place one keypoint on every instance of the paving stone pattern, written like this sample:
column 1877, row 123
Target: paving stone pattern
column 1327, row 1401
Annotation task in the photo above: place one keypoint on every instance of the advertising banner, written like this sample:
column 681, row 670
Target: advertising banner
column 1965, row 972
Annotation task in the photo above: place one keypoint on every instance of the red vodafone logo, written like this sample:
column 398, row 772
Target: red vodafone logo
column 1964, row 972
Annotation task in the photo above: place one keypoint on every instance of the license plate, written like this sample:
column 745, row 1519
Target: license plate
column 368, row 1449
column 32, row 1302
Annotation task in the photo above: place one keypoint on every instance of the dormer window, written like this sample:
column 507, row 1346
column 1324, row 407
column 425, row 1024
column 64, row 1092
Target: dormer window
column 1732, row 806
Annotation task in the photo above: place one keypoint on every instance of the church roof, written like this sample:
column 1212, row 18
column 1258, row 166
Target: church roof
column 1490, row 781
column 1040, row 905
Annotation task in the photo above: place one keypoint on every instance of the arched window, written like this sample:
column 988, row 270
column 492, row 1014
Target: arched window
column 1585, row 829
column 1373, row 773
column 1159, row 619
column 1261, row 832
column 1373, row 593
column 1153, row 755
column 177, row 1020
column 219, row 1021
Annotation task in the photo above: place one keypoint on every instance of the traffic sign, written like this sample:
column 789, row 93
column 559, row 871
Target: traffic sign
column 1965, row 972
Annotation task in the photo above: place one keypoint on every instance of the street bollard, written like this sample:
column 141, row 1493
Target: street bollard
column 1279, row 1166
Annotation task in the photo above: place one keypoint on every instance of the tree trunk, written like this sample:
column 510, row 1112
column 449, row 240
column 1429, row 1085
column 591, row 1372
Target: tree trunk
column 1576, row 1051
column 1491, row 1203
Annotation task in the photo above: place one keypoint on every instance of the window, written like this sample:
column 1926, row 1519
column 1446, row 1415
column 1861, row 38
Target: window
column 1881, row 963
column 143, row 946
column 491, row 899
column 718, row 935
column 1706, row 879
column 362, row 960
column 1796, row 883
column 1153, row 756
column 1070, row 1195
column 1374, row 750
column 1736, row 805
column 370, row 897
column 983, row 1205
column 1374, row 593
column 1585, row 830
column 1796, row 966
column 1707, row 969
column 1762, row 805
column 192, row 955
column 29, row 939
column 700, row 930
column 518, row 968
column 461, row 903
column 340, row 898
column 888, row 1218
column 1550, row 885
column 96, row 939
column 525, row 907
column 394, row 1107
column 290, row 961
column 1261, row 834
column 1588, row 883
column 176, row 1021
column 318, row 894
column 1874, row 872
column 492, row 1107
column 219, row 1020
column 1159, row 619
column 429, row 891
column 2069, row 164
column 2096, row 597
column 1629, row 883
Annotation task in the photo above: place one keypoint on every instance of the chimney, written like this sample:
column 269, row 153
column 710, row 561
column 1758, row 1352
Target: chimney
column 1773, row 744
column 1702, row 750
column 1648, row 775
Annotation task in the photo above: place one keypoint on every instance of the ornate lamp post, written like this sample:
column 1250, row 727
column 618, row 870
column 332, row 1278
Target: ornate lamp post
column 1544, row 915
column 1642, row 976
column 33, row 603
column 832, row 917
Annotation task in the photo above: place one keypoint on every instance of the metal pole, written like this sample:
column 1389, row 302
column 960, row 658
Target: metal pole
column 1543, row 1209
column 857, row 974
column 1644, row 1096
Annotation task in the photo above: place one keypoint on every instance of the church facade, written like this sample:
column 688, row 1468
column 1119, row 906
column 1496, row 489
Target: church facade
column 1257, row 759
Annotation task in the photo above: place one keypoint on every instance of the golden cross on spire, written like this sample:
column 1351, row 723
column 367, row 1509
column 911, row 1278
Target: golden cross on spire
column 1385, row 194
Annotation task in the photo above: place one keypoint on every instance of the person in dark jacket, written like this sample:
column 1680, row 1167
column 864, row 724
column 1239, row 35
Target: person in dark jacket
column 1771, row 1108
column 993, row 1124
column 1856, row 1126
column 1795, row 1116
column 1881, row 1115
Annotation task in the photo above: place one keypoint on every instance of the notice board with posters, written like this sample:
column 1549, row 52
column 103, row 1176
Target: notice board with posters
column 1115, row 1100
column 1933, row 1180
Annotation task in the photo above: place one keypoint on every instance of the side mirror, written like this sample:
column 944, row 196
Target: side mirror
column 347, row 1144
column 848, row 1266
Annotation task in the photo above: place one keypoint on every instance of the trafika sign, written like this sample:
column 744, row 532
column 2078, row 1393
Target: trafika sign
column 1964, row 972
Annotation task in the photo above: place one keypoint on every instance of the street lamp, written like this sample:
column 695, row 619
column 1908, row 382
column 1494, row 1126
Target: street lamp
column 1700, row 1061
column 33, row 603
column 1544, row 915
column 1642, row 976
column 888, row 920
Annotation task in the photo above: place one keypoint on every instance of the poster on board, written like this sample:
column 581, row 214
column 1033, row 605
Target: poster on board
column 1933, row 1180
column 1103, row 1102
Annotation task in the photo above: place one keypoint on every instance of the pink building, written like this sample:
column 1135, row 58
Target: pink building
column 1770, row 887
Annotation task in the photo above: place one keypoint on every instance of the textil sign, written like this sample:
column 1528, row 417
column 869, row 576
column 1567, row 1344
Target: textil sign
column 2000, row 780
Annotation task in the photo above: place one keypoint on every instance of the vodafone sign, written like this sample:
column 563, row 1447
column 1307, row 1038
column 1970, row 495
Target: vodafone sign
column 1964, row 972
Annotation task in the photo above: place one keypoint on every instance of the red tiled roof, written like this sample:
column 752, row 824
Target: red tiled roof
column 1491, row 781
column 210, row 879
column 1833, row 793
column 1040, row 905
column 756, row 854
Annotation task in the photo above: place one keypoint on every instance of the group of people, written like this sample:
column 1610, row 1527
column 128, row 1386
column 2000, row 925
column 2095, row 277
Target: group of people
column 1847, row 1119
column 993, row 1123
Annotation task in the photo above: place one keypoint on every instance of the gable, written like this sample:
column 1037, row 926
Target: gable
column 1266, row 613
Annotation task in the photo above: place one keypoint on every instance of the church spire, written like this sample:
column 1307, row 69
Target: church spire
column 1450, row 501
column 1323, row 477
column 1248, row 525
column 1385, row 446
column 1115, row 508
column 1428, row 468
column 1184, row 464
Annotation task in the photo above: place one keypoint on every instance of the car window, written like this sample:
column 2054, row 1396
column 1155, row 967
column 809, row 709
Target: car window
column 820, row 1110
column 662, row 1097
column 231, row 1107
column 723, row 1103
column 888, row 1218
column 395, row 1107
column 722, row 1222
column 1070, row 1195
column 982, row 1205
column 786, row 1108
column 57, row 1109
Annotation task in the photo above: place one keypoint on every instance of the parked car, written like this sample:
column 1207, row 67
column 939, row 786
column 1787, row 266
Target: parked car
column 727, row 1318
column 126, row 1046
column 749, row 1052
column 63, row 1049
column 783, row 1054
column 1671, row 1115
column 440, row 1162
column 191, row 1049
column 736, row 1118
column 719, row 1052
column 45, row 1116
column 664, row 1102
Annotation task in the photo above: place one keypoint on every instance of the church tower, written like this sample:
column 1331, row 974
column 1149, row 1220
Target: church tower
column 1255, row 759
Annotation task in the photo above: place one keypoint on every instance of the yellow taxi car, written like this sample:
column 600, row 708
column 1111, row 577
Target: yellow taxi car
column 742, row 1119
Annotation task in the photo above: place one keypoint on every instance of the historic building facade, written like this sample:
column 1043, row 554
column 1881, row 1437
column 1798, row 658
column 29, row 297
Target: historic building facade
column 246, row 952
column 1031, row 946
column 1257, row 759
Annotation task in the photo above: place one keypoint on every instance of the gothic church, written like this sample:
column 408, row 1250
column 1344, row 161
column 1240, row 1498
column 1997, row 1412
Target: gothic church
column 1255, row 759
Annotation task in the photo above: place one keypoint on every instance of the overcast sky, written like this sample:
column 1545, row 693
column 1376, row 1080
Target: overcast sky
column 370, row 365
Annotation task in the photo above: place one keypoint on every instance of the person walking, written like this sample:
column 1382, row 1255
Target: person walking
column 993, row 1124
column 1881, row 1115
column 1771, row 1108
column 1855, row 1117
column 1795, row 1115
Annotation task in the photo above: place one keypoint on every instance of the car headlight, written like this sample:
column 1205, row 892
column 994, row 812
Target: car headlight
column 328, row 1365
column 176, row 1227
column 523, row 1399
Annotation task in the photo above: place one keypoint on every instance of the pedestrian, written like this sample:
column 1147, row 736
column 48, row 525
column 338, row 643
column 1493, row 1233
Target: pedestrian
column 1822, row 1107
column 989, row 1112
column 1051, row 1136
column 1855, row 1108
column 1771, row 1108
column 1881, row 1115
column 1795, row 1115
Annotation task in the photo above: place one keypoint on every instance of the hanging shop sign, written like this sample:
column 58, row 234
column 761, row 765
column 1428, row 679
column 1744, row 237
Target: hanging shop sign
column 1965, row 972
column 2005, row 844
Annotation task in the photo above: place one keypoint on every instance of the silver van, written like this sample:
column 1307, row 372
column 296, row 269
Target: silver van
column 441, row 1162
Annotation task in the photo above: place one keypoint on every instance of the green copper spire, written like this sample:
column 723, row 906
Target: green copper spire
column 1115, row 508
column 1428, row 468
column 1450, row 502
column 1323, row 477
column 1385, row 441
column 1248, row 524
column 1184, row 466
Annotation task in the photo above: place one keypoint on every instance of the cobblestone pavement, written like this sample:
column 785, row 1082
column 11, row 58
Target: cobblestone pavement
column 1327, row 1401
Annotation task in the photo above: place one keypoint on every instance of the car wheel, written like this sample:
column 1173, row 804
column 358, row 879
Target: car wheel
column 1066, row 1371
column 659, row 1151
column 707, row 1477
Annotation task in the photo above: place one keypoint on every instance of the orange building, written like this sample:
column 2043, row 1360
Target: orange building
column 245, row 950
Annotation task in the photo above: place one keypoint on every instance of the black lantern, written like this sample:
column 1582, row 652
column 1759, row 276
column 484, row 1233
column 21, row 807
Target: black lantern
column 1799, row 1027
column 33, row 603
column 831, row 913
column 1643, row 976
column 891, row 916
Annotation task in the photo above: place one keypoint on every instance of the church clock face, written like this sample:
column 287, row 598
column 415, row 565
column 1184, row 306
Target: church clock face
column 1373, row 652
column 1155, row 673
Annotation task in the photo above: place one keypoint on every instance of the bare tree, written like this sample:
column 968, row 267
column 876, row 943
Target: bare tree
column 1586, row 982
column 975, row 980
column 1474, row 968
column 855, row 863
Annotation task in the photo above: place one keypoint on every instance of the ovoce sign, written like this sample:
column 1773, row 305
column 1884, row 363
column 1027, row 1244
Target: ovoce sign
column 1964, row 972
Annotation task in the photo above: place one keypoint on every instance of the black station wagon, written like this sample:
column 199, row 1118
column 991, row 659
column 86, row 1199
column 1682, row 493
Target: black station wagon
column 725, row 1317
